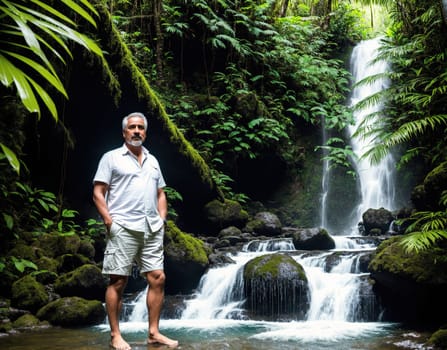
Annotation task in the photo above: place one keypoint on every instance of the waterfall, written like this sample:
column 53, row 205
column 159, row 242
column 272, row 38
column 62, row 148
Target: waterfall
column 342, row 304
column 376, row 181
column 334, row 285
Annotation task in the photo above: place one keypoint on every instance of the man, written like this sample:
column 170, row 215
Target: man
column 128, row 193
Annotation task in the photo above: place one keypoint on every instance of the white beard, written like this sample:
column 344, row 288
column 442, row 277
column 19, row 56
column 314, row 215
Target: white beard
column 135, row 143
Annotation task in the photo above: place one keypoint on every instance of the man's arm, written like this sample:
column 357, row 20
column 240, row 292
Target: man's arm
column 99, row 198
column 162, row 204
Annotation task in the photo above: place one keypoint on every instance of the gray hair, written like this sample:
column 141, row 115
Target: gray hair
column 134, row 114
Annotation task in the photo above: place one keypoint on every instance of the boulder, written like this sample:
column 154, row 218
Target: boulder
column 73, row 312
column 55, row 244
column 427, row 195
column 70, row 262
column 186, row 259
column 264, row 223
column 312, row 239
column 27, row 322
column 221, row 214
column 86, row 281
column 87, row 249
column 276, row 286
column 438, row 340
column 377, row 222
column 28, row 294
column 413, row 286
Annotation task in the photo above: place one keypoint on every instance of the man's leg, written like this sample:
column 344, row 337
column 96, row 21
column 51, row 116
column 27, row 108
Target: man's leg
column 114, row 303
column 155, row 296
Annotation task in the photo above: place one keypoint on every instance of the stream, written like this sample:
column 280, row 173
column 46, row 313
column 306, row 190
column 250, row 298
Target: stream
column 343, row 313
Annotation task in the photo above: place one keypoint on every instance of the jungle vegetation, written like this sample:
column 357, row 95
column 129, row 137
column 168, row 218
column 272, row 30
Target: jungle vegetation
column 211, row 60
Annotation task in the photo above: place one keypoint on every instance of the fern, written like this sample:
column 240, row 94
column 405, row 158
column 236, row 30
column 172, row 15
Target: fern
column 426, row 228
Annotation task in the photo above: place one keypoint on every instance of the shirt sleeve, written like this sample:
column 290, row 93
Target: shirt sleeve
column 104, row 171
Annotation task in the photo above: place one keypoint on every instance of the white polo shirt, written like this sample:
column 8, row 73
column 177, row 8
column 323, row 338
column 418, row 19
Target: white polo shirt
column 132, row 197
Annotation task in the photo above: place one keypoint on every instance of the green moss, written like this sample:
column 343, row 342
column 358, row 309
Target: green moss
column 72, row 312
column 270, row 266
column 145, row 93
column 24, row 251
column 26, row 321
column 28, row 294
column 49, row 264
column 185, row 245
column 439, row 339
column 428, row 266
column 226, row 213
column 5, row 327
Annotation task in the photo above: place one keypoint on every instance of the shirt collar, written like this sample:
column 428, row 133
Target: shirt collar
column 125, row 150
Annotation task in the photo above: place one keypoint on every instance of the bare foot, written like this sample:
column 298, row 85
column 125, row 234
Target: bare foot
column 118, row 343
column 161, row 339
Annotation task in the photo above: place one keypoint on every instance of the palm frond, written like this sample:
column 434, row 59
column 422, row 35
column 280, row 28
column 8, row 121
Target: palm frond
column 21, row 29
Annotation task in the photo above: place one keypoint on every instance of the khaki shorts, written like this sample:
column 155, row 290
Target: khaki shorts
column 126, row 246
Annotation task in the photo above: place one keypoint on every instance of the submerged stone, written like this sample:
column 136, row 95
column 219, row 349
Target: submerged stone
column 276, row 287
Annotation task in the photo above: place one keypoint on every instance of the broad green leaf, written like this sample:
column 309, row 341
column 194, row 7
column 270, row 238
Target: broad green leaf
column 12, row 158
column 75, row 7
column 51, row 10
column 51, row 78
column 46, row 98
column 8, row 220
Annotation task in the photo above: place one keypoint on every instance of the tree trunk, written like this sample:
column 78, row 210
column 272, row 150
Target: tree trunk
column 284, row 7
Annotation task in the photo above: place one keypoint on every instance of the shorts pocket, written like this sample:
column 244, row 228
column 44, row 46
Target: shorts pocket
column 109, row 259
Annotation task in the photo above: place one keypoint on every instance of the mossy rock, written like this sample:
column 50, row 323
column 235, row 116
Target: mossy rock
column 264, row 223
column 5, row 327
column 28, row 321
column 87, row 249
column 86, row 281
column 55, row 244
column 186, row 259
column 412, row 286
column 47, row 263
column 276, row 287
column 312, row 239
column 28, row 294
column 70, row 262
column 73, row 312
column 427, row 267
column 23, row 250
column 221, row 214
column 438, row 340
column 426, row 196
column 274, row 266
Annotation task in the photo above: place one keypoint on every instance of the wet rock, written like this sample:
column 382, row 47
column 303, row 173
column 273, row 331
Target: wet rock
column 27, row 322
column 86, row 281
column 377, row 222
column 312, row 239
column 412, row 286
column 427, row 195
column 70, row 262
column 54, row 244
column 28, row 294
column 221, row 214
column 73, row 312
column 186, row 259
column 264, row 223
column 275, row 285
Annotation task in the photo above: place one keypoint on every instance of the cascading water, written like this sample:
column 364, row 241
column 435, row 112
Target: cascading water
column 341, row 306
column 376, row 181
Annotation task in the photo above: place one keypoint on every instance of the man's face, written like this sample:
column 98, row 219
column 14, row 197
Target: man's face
column 134, row 133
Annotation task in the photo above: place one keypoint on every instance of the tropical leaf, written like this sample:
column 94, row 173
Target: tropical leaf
column 20, row 31
column 11, row 157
